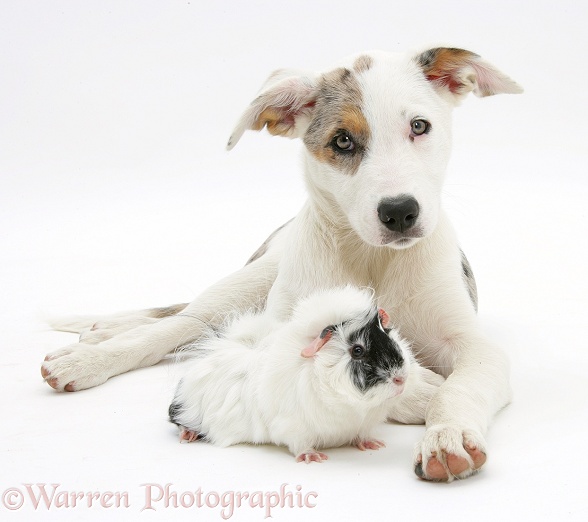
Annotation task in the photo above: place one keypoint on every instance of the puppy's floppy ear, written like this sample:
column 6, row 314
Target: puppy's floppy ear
column 284, row 106
column 456, row 72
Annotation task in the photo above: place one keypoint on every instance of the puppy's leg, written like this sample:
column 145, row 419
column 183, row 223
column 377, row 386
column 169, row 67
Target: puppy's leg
column 458, row 415
column 83, row 365
column 411, row 405
column 80, row 366
column 80, row 323
column 94, row 329
column 103, row 330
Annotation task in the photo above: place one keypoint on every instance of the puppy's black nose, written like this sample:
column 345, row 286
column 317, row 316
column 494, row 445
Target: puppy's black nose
column 398, row 214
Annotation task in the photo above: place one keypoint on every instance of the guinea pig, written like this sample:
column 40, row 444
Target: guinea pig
column 322, row 379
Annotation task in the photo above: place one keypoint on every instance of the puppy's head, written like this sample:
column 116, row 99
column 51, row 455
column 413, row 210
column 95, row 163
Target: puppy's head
column 377, row 131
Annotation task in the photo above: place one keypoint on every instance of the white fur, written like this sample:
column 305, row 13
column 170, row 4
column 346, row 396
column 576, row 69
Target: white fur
column 252, row 384
column 336, row 239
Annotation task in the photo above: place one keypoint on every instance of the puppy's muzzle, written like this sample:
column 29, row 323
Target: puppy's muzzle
column 398, row 214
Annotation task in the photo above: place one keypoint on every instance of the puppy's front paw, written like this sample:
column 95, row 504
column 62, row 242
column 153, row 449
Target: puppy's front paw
column 447, row 452
column 75, row 367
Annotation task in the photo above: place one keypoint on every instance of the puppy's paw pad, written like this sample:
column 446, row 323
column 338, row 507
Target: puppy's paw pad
column 447, row 453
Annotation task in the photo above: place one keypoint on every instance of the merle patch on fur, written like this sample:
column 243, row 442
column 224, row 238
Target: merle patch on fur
column 338, row 109
column 469, row 279
column 263, row 248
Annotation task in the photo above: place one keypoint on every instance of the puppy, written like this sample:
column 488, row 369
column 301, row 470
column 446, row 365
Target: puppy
column 376, row 130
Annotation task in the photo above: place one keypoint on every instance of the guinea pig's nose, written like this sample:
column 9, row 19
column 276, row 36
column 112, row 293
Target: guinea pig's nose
column 399, row 381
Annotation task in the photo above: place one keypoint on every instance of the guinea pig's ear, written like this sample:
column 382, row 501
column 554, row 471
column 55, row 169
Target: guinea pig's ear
column 384, row 317
column 312, row 349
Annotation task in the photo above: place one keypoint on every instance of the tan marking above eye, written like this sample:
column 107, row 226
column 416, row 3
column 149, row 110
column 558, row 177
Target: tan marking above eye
column 353, row 120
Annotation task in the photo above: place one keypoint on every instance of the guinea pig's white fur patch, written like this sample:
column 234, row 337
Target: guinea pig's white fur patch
column 252, row 384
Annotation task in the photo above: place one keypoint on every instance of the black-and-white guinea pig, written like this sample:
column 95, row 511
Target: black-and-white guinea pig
column 322, row 379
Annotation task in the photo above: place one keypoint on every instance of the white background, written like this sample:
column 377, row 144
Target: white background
column 116, row 193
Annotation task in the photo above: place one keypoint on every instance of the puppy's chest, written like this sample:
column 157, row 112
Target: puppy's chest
column 392, row 285
column 394, row 291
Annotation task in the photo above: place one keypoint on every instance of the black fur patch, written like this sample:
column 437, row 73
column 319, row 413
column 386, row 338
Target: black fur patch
column 381, row 357
column 174, row 410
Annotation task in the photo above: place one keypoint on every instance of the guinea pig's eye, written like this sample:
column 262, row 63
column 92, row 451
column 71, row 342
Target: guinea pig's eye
column 357, row 351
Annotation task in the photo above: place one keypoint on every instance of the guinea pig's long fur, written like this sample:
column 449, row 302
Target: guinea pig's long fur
column 253, row 384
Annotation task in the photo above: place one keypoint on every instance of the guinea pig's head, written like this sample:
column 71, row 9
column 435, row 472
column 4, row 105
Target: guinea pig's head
column 360, row 359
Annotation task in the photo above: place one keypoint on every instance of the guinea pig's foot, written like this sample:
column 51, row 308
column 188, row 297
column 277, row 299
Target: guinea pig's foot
column 311, row 456
column 187, row 435
column 370, row 444
column 447, row 453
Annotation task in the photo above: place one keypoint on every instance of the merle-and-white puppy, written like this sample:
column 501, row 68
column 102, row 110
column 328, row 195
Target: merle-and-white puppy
column 376, row 129
column 322, row 379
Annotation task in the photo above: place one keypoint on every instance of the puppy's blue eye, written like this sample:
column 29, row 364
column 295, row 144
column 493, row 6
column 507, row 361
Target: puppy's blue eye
column 419, row 127
column 343, row 142
column 357, row 351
